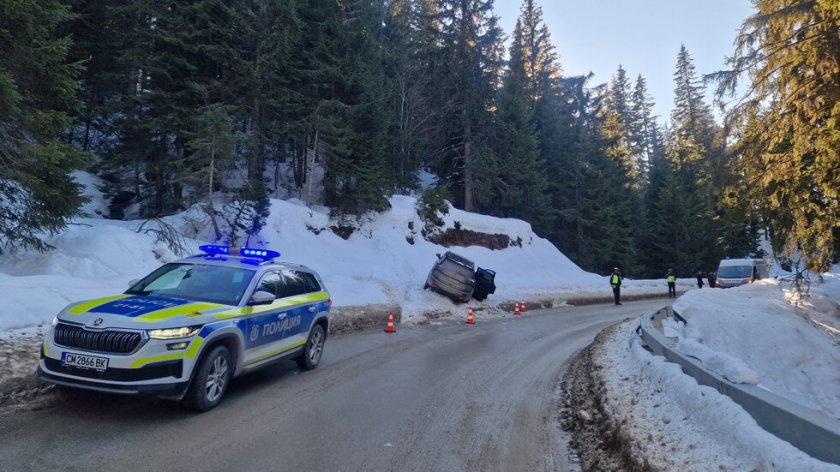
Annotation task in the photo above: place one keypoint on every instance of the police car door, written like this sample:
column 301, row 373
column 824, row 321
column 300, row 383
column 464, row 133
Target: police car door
column 271, row 331
column 302, row 306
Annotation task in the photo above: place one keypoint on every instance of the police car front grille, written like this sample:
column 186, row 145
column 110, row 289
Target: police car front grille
column 116, row 342
column 148, row 372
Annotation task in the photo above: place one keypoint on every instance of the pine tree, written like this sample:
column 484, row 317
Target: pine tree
column 37, row 94
column 408, row 44
column 342, row 53
column 177, row 57
column 469, row 63
column 570, row 150
column 643, row 131
column 691, row 148
column 96, row 32
column 615, row 214
column 618, row 102
column 264, row 85
column 519, row 186
column 539, row 60
column 787, row 124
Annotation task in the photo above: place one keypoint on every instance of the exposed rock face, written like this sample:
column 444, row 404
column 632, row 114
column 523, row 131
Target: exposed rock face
column 464, row 238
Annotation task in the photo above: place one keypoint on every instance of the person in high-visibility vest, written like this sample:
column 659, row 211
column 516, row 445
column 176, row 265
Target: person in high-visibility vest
column 672, row 283
column 615, row 282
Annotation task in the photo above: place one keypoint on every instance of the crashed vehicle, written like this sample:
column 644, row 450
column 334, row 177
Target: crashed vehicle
column 458, row 278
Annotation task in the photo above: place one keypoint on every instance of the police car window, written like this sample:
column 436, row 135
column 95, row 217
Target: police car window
column 294, row 283
column 167, row 277
column 312, row 284
column 214, row 284
column 271, row 283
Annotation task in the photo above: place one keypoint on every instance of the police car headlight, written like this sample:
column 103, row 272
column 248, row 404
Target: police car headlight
column 55, row 320
column 174, row 333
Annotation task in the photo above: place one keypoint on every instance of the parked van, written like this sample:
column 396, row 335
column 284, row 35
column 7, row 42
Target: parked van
column 734, row 272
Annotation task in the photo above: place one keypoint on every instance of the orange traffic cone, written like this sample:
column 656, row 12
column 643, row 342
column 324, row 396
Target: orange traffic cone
column 516, row 309
column 522, row 303
column 390, row 328
column 470, row 319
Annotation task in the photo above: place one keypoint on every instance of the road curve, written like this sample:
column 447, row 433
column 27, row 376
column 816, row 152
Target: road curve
column 447, row 397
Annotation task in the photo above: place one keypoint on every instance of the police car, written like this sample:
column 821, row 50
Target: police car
column 189, row 327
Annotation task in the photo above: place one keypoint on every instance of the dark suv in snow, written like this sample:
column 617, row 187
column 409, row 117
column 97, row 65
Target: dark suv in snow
column 457, row 277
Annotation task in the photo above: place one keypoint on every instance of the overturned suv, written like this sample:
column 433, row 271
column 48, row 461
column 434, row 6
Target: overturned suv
column 185, row 330
column 458, row 278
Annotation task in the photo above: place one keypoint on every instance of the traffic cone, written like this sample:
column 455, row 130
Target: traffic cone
column 390, row 328
column 470, row 319
column 522, row 303
column 516, row 309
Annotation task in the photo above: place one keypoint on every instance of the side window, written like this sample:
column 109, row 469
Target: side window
column 312, row 284
column 295, row 283
column 271, row 283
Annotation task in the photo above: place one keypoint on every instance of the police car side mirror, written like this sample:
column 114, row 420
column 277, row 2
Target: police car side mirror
column 261, row 298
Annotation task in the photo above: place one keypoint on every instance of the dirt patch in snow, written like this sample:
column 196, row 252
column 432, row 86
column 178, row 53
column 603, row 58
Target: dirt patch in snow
column 18, row 382
column 601, row 443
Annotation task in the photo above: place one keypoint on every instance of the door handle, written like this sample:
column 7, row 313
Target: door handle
column 281, row 316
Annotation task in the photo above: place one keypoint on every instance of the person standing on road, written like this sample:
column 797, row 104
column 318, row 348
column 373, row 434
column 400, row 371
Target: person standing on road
column 672, row 283
column 699, row 279
column 615, row 282
column 712, row 280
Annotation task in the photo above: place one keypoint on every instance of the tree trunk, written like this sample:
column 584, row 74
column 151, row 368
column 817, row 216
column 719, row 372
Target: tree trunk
column 468, row 173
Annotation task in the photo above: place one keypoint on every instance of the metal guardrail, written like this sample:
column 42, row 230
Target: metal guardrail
column 811, row 431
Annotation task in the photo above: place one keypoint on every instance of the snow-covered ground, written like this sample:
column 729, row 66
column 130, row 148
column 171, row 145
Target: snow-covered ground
column 747, row 334
column 376, row 265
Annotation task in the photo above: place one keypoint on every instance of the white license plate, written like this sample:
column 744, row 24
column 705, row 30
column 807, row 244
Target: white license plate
column 85, row 362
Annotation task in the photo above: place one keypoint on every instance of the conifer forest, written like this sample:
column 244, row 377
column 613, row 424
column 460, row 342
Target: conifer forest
column 341, row 102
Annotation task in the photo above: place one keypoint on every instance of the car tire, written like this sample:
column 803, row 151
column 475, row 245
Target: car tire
column 312, row 350
column 210, row 381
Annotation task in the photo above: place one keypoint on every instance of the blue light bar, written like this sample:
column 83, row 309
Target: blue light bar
column 264, row 254
column 213, row 249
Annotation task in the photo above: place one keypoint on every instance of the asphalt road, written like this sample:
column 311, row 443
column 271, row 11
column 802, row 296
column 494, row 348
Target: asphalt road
column 447, row 397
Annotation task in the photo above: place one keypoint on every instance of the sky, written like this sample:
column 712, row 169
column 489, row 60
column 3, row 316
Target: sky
column 643, row 36
column 736, row 332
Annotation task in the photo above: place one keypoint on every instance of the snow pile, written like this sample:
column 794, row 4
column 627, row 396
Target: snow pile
column 731, row 368
column 384, row 262
column 751, row 334
column 677, row 424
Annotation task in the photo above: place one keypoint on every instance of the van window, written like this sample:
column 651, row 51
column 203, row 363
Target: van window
column 735, row 272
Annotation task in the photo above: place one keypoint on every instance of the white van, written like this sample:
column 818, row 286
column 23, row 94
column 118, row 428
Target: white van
column 734, row 272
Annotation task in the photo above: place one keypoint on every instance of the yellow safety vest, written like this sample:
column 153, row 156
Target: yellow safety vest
column 671, row 279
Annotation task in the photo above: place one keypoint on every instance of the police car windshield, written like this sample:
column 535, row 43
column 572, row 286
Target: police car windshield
column 207, row 283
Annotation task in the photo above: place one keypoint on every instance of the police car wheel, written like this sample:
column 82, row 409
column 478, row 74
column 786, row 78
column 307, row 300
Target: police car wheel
column 313, row 349
column 210, row 381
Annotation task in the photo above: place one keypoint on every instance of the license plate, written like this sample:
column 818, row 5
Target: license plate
column 85, row 362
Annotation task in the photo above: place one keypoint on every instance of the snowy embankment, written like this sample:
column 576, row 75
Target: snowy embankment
column 377, row 265
column 750, row 334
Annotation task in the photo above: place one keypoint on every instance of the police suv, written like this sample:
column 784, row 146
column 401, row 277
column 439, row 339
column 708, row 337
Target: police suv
column 190, row 326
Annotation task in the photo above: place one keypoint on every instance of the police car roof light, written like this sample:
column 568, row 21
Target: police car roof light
column 214, row 249
column 263, row 254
